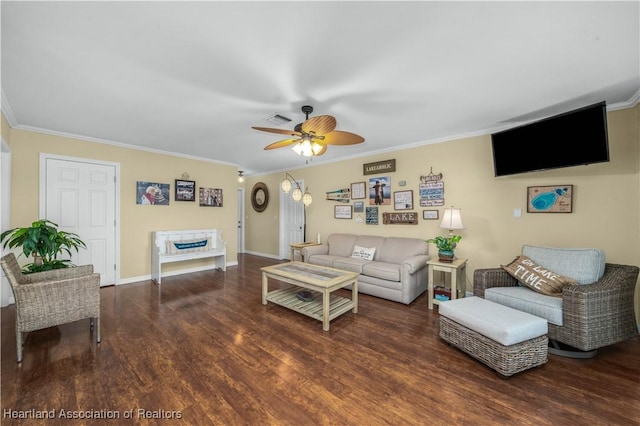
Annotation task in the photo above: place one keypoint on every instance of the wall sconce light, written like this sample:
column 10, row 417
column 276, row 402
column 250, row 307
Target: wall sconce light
column 297, row 195
column 240, row 176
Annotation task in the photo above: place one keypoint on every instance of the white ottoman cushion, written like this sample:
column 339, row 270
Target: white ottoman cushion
column 499, row 323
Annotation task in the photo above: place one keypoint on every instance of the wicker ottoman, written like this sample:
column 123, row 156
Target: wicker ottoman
column 505, row 339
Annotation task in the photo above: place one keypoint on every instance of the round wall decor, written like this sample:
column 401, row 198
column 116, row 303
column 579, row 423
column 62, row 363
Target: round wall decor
column 259, row 197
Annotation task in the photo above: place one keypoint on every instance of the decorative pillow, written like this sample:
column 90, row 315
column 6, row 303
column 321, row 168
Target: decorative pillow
column 188, row 246
column 363, row 252
column 537, row 278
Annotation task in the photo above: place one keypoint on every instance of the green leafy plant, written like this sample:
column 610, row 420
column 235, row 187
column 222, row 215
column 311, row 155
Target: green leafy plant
column 447, row 243
column 44, row 242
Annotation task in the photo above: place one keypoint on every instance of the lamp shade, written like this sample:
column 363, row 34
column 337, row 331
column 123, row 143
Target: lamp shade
column 285, row 185
column 306, row 198
column 451, row 219
column 296, row 194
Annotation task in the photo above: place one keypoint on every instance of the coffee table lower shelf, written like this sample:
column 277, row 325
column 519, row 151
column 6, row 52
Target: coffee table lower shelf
column 287, row 297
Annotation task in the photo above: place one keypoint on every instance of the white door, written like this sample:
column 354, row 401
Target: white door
column 293, row 222
column 240, row 220
column 80, row 196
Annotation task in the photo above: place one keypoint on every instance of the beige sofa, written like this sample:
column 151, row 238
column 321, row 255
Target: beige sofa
column 398, row 270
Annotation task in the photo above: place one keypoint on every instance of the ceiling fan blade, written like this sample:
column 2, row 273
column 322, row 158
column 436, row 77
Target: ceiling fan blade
column 338, row 137
column 279, row 131
column 320, row 125
column 281, row 144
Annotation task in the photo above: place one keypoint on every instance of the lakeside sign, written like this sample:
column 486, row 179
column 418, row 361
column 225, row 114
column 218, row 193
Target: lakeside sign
column 379, row 167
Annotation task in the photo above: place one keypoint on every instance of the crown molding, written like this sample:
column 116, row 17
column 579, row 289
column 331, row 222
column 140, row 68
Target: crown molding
column 7, row 111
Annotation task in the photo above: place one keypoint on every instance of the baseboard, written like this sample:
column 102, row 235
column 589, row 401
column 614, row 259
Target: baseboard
column 270, row 256
column 132, row 280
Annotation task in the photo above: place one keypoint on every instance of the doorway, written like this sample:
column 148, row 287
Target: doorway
column 81, row 196
column 292, row 222
column 240, row 220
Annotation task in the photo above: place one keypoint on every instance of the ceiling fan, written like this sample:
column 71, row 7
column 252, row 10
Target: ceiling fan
column 312, row 137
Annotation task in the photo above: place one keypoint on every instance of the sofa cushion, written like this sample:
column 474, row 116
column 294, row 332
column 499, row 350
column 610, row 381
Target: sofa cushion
column 350, row 264
column 371, row 241
column 536, row 277
column 585, row 265
column 323, row 259
column 365, row 253
column 523, row 299
column 397, row 249
column 382, row 270
column 341, row 244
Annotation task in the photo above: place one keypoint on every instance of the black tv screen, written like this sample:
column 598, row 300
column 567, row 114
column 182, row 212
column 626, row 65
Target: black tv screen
column 573, row 138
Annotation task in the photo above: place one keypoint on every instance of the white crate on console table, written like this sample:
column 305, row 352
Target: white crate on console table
column 190, row 244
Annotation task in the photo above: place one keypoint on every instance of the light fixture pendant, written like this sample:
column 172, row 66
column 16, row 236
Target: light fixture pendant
column 296, row 194
column 307, row 199
column 285, row 185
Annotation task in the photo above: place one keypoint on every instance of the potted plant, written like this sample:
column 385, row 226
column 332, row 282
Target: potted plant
column 44, row 242
column 445, row 246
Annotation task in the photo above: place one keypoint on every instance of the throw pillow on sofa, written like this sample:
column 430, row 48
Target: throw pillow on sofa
column 536, row 277
column 363, row 252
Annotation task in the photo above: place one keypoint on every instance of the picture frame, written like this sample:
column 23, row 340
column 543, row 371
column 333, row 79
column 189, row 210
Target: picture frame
column 210, row 197
column 550, row 199
column 380, row 191
column 430, row 214
column 152, row 193
column 358, row 191
column 342, row 212
column 403, row 200
column 185, row 190
column 371, row 215
column 358, row 206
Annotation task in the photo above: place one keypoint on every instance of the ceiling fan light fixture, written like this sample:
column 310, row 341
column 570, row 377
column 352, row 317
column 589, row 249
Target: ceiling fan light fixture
column 316, row 148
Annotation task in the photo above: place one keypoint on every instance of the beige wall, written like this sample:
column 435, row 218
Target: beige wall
column 606, row 197
column 606, row 204
column 136, row 221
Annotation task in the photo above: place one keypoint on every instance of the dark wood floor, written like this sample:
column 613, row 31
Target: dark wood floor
column 208, row 352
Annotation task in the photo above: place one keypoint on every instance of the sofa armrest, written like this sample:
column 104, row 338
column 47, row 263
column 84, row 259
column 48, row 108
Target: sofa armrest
column 491, row 277
column 311, row 250
column 415, row 263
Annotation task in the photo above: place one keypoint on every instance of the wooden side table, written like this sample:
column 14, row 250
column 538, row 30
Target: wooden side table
column 300, row 246
column 457, row 271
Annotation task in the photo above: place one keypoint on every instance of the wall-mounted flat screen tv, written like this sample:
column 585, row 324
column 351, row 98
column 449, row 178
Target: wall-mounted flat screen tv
column 574, row 138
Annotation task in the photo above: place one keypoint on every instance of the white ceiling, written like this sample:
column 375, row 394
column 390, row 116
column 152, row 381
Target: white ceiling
column 192, row 77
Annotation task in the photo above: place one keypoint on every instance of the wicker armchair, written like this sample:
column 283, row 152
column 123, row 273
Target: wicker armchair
column 594, row 315
column 46, row 299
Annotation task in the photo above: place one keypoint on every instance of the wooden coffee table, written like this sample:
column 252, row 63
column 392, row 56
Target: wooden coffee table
column 321, row 280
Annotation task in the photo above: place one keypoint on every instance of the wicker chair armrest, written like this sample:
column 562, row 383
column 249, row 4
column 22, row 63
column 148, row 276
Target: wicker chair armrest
column 615, row 288
column 491, row 277
column 66, row 294
column 58, row 274
column 47, row 303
